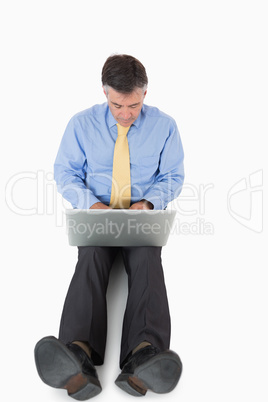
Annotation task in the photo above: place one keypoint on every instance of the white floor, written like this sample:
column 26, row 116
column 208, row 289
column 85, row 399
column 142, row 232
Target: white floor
column 218, row 301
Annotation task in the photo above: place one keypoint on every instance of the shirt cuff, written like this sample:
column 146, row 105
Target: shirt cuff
column 156, row 201
column 80, row 198
column 87, row 202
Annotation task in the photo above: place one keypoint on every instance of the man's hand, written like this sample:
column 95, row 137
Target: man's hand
column 99, row 205
column 143, row 204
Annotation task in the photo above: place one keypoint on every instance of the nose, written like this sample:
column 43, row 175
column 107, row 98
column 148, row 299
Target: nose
column 125, row 114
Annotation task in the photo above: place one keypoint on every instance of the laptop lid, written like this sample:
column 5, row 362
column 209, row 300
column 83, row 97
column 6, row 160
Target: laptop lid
column 118, row 227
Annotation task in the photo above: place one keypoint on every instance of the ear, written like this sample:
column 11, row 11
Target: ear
column 105, row 93
column 145, row 93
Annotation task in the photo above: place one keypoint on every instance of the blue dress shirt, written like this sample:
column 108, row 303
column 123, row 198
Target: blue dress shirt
column 84, row 163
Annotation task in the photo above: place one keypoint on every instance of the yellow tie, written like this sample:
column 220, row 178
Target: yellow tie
column 121, row 186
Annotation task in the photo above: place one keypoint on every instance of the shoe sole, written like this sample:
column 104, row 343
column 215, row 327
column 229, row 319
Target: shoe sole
column 160, row 374
column 59, row 368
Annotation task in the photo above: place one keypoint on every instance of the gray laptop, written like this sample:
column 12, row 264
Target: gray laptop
column 118, row 227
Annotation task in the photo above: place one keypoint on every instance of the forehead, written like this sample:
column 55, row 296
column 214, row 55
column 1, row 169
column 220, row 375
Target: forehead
column 125, row 99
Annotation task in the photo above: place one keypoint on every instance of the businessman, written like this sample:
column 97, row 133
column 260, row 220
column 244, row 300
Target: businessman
column 121, row 154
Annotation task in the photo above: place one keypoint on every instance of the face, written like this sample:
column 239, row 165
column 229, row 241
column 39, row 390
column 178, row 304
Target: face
column 125, row 108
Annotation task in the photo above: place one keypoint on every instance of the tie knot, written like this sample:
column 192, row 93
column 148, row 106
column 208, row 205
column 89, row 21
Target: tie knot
column 122, row 130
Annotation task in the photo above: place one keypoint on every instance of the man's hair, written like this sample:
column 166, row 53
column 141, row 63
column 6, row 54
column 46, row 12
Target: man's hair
column 124, row 73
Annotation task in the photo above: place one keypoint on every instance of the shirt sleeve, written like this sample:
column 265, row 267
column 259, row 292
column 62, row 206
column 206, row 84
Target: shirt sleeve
column 70, row 169
column 169, row 180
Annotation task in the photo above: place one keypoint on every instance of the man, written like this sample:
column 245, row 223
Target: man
column 122, row 154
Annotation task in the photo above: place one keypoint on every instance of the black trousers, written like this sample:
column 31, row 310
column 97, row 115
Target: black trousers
column 147, row 318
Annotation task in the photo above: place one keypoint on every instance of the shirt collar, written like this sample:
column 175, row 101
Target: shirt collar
column 112, row 122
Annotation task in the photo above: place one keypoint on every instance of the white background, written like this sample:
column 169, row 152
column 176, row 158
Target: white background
column 207, row 66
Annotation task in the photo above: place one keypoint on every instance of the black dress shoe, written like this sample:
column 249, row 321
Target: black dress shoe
column 67, row 367
column 151, row 369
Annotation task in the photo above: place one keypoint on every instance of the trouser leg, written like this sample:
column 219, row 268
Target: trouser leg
column 147, row 315
column 84, row 316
